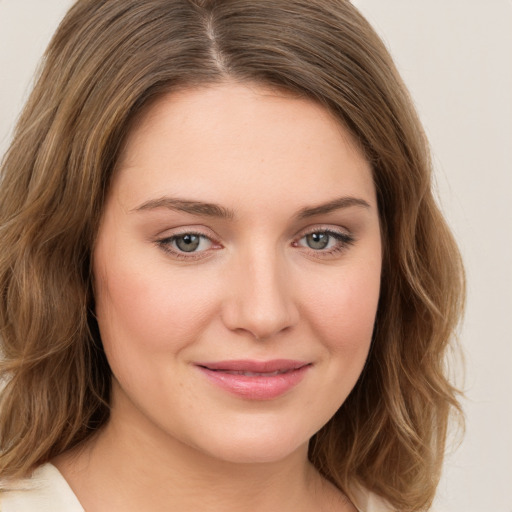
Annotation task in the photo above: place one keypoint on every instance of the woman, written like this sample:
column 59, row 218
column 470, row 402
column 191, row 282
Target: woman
column 225, row 282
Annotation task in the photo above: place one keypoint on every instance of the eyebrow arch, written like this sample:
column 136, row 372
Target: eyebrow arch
column 187, row 206
column 335, row 204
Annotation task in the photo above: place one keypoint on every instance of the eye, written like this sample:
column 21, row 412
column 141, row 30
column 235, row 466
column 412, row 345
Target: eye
column 317, row 240
column 186, row 243
column 325, row 241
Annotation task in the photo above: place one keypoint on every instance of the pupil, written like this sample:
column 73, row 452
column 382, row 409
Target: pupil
column 188, row 243
column 317, row 240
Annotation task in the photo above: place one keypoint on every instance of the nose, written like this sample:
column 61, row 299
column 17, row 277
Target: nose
column 260, row 299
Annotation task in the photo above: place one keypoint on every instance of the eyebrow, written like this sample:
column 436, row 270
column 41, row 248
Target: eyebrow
column 187, row 206
column 215, row 210
column 335, row 204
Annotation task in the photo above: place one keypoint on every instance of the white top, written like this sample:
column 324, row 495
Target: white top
column 47, row 491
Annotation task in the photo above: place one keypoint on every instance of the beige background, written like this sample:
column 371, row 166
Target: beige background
column 456, row 57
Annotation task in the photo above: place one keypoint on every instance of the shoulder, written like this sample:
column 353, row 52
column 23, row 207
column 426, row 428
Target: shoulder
column 45, row 491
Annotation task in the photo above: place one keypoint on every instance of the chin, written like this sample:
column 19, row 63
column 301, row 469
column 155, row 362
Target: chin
column 264, row 445
column 258, row 452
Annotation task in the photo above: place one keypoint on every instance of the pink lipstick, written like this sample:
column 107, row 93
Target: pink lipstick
column 255, row 380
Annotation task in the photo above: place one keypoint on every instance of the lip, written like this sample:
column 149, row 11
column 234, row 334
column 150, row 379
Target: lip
column 255, row 380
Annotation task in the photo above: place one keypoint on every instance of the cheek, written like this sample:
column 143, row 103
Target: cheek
column 342, row 319
column 344, row 314
column 150, row 311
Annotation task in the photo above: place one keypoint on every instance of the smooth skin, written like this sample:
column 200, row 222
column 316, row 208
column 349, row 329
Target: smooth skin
column 242, row 223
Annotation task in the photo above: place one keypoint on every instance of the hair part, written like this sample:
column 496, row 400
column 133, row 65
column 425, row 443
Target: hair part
column 107, row 60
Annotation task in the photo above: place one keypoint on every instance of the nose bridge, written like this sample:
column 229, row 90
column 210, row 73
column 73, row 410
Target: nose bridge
column 262, row 303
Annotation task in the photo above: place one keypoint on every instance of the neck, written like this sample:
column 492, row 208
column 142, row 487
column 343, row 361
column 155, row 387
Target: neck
column 123, row 468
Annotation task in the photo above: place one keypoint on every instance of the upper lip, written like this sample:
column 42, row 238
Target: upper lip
column 244, row 365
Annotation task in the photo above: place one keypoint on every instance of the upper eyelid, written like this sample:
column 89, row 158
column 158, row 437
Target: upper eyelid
column 188, row 230
column 323, row 229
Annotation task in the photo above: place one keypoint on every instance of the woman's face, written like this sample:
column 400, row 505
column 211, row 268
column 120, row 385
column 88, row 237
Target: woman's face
column 237, row 272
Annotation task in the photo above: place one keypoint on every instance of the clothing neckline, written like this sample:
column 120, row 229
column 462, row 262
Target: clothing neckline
column 45, row 490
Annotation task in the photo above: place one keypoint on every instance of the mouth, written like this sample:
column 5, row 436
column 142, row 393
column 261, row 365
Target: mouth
column 253, row 374
column 255, row 380
column 257, row 367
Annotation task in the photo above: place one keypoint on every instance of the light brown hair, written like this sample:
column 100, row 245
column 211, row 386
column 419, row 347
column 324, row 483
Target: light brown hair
column 106, row 61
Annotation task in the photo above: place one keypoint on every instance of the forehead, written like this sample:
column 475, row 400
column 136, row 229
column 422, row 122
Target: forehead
column 209, row 140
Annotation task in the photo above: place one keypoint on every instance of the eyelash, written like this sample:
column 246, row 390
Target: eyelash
column 344, row 240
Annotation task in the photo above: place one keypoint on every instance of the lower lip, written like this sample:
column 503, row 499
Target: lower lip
column 256, row 387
